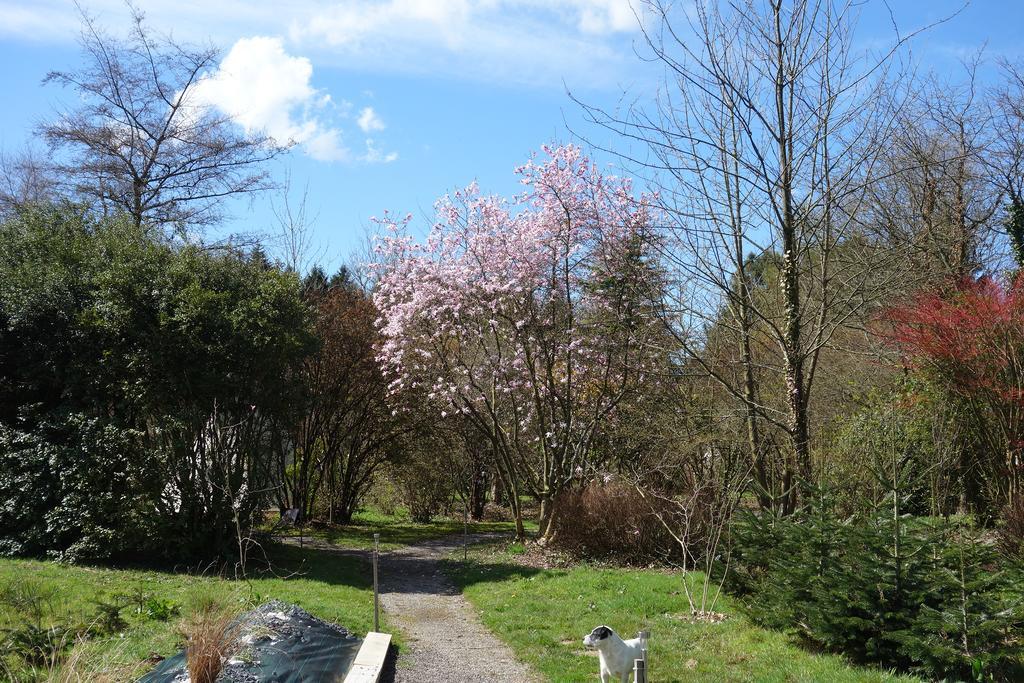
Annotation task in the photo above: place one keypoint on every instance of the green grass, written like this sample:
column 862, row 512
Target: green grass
column 396, row 530
column 334, row 587
column 544, row 614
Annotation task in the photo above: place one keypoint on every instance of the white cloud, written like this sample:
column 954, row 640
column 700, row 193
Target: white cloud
column 375, row 156
column 607, row 16
column 265, row 89
column 583, row 42
column 535, row 42
column 326, row 145
column 369, row 121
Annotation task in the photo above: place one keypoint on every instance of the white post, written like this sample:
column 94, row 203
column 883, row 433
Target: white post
column 643, row 636
column 376, row 591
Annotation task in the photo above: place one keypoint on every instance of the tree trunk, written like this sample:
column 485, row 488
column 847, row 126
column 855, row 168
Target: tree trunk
column 765, row 495
column 478, row 491
column 546, row 517
column 794, row 357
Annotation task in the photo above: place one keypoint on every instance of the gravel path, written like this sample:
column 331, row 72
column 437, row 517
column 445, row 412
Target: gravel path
column 446, row 641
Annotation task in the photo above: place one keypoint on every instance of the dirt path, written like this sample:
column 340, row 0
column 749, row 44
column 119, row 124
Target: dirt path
column 445, row 639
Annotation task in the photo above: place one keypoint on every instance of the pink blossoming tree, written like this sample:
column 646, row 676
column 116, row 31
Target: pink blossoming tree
column 523, row 317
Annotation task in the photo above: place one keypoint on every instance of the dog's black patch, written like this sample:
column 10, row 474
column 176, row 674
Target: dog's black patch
column 601, row 632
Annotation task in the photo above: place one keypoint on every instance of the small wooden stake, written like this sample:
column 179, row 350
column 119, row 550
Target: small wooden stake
column 465, row 532
column 376, row 591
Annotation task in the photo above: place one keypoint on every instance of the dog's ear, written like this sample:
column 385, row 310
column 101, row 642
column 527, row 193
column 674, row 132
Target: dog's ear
column 601, row 632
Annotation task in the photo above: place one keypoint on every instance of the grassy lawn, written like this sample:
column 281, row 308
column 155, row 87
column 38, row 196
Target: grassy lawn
column 397, row 531
column 544, row 614
column 331, row 586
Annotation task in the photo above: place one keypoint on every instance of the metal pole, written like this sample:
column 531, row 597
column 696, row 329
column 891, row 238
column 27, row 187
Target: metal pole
column 376, row 591
column 639, row 671
column 643, row 636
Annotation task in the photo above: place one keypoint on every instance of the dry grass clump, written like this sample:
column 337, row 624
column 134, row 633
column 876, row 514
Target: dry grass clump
column 211, row 637
column 85, row 662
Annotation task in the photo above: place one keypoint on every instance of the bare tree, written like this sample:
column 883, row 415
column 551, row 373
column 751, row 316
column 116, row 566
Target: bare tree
column 762, row 144
column 25, row 179
column 141, row 142
column 297, row 243
column 698, row 521
column 937, row 198
column 1007, row 153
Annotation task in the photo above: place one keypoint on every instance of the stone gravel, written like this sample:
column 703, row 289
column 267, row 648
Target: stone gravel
column 445, row 640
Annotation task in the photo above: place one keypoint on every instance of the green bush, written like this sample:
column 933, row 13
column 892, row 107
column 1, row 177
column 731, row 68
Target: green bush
column 79, row 488
column 107, row 619
column 159, row 609
column 139, row 385
column 38, row 646
column 916, row 594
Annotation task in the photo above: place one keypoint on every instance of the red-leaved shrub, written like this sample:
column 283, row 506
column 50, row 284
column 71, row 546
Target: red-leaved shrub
column 970, row 341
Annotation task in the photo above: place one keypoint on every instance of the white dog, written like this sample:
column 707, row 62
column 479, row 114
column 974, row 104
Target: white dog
column 617, row 655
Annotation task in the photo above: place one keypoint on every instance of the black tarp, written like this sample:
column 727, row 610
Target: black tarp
column 280, row 643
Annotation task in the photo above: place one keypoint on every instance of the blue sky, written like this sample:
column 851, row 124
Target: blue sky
column 398, row 101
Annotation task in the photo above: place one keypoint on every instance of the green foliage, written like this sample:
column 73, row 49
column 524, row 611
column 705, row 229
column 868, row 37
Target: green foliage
column 137, row 379
column 32, row 637
column 32, row 600
column 970, row 625
column 543, row 614
column 37, row 645
column 426, row 490
column 75, row 484
column 895, row 425
column 917, row 594
column 107, row 619
column 159, row 609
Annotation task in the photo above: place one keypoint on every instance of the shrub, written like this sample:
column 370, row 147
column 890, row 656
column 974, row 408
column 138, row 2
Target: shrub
column 38, row 646
column 610, row 520
column 33, row 600
column 137, row 382
column 1011, row 531
column 384, row 496
column 916, row 594
column 425, row 490
column 969, row 340
column 108, row 619
column 970, row 624
column 899, row 423
column 159, row 609
column 77, row 487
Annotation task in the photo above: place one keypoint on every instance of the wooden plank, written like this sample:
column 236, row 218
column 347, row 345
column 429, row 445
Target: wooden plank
column 369, row 661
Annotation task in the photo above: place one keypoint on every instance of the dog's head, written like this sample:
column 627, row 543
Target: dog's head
column 598, row 636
